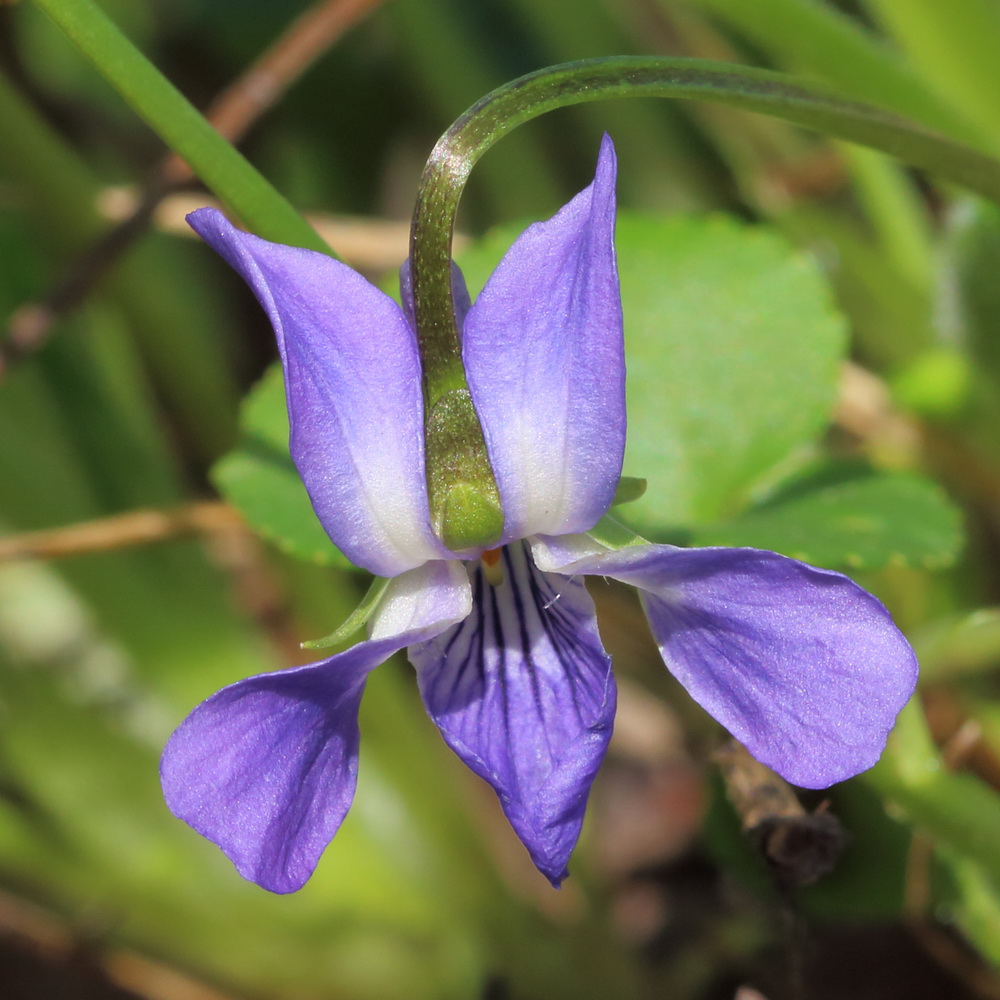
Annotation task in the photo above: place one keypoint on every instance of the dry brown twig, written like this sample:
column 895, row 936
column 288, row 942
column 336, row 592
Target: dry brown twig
column 120, row 531
column 257, row 90
column 800, row 847
column 366, row 243
column 229, row 545
column 232, row 113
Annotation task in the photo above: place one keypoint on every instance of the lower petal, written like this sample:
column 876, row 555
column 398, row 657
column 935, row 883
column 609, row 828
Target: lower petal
column 800, row 664
column 522, row 691
column 266, row 768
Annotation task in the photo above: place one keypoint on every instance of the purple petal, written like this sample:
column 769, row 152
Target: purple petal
column 352, row 380
column 266, row 768
column 800, row 664
column 544, row 358
column 522, row 691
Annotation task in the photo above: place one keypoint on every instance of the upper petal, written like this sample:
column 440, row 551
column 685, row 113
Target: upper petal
column 800, row 664
column 266, row 768
column 352, row 380
column 522, row 691
column 544, row 359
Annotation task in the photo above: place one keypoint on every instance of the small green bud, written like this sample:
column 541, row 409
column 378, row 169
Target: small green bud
column 629, row 488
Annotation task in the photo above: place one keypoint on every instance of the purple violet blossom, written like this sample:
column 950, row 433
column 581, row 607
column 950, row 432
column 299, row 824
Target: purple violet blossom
column 800, row 664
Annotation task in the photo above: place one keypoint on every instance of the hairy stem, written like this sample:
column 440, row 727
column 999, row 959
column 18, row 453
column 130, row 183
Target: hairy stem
column 762, row 91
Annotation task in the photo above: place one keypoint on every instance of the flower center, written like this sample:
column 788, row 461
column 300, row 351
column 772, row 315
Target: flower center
column 492, row 569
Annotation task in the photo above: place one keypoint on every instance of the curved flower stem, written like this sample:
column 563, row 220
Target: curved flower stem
column 763, row 91
column 454, row 439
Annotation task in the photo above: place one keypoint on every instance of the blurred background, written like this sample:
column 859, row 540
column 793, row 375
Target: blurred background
column 814, row 364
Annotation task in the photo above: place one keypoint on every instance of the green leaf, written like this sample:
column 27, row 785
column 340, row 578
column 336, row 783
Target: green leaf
column 818, row 39
column 959, row 646
column 954, row 48
column 959, row 811
column 969, row 292
column 732, row 346
column 158, row 102
column 260, row 480
column 866, row 522
column 977, row 906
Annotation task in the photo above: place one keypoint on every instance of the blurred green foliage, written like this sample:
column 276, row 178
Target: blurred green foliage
column 756, row 260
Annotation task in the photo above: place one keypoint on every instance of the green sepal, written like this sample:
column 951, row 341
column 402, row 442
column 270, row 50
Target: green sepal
column 612, row 534
column 461, row 488
column 629, row 488
column 356, row 620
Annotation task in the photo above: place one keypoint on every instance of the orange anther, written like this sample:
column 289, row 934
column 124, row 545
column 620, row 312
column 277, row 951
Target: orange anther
column 492, row 569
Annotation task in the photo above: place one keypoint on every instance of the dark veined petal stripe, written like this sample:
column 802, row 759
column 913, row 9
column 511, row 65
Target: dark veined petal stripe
column 522, row 691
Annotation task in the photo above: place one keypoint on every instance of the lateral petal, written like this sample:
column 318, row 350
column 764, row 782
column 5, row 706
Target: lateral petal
column 267, row 767
column 544, row 359
column 522, row 691
column 800, row 664
column 352, row 380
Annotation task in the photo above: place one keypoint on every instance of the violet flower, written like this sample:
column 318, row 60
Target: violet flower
column 800, row 664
